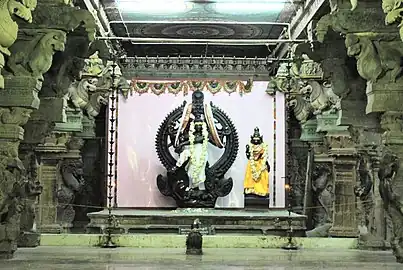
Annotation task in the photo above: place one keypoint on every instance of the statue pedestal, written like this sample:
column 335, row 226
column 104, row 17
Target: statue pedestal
column 255, row 202
column 29, row 239
column 261, row 222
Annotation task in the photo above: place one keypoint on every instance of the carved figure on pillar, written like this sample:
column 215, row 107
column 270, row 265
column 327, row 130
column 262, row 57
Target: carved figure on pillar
column 302, row 109
column 323, row 195
column 8, row 26
column 376, row 58
column 28, row 235
column 83, row 93
column 256, row 180
column 390, row 176
column 321, row 97
column 72, row 183
column 15, row 190
column 363, row 192
column 189, row 129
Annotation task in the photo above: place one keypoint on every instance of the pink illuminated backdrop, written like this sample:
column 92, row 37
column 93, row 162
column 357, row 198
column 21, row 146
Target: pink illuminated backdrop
column 138, row 164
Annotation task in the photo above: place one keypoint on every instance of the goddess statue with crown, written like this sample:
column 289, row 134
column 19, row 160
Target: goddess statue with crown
column 256, row 182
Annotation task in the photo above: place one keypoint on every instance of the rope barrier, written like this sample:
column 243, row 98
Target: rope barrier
column 39, row 205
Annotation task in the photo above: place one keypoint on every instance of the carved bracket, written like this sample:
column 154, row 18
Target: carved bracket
column 9, row 10
column 63, row 17
column 32, row 54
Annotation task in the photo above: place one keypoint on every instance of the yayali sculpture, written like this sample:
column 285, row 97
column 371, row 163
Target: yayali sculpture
column 188, row 130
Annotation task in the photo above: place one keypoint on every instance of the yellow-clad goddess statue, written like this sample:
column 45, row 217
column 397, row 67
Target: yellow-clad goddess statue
column 257, row 170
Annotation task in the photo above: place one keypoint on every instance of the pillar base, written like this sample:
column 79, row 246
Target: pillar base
column 343, row 232
column 56, row 228
column 29, row 239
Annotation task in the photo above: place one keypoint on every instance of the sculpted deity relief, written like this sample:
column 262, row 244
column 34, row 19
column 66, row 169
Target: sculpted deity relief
column 391, row 194
column 72, row 174
column 322, row 187
column 15, row 115
column 16, row 195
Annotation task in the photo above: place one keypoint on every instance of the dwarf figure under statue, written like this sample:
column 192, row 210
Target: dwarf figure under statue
column 256, row 181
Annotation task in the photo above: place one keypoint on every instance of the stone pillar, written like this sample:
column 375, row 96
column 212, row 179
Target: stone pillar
column 91, row 157
column 315, row 141
column 375, row 236
column 60, row 172
column 17, row 101
column 391, row 184
column 51, row 126
column 342, row 149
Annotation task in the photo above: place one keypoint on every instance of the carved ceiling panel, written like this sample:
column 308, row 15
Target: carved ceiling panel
column 200, row 19
column 200, row 31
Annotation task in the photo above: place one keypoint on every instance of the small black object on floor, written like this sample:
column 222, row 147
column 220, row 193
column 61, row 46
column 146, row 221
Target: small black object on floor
column 194, row 240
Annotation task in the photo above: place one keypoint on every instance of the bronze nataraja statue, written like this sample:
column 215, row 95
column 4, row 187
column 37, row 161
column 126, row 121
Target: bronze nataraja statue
column 189, row 130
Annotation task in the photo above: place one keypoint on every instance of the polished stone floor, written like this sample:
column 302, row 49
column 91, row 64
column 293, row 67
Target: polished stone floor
column 71, row 258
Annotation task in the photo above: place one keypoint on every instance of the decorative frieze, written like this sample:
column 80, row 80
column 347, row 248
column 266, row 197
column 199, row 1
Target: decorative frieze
column 190, row 67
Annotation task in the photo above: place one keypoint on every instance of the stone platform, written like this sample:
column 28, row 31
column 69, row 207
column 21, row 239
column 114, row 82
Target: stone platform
column 214, row 221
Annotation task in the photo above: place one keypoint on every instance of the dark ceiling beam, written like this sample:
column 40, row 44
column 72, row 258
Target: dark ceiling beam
column 300, row 21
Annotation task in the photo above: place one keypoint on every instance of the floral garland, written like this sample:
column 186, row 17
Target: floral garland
column 198, row 163
column 214, row 87
column 231, row 87
column 255, row 173
column 158, row 88
column 140, row 87
column 175, row 87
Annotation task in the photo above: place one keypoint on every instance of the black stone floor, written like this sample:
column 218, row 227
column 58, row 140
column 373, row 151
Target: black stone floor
column 71, row 258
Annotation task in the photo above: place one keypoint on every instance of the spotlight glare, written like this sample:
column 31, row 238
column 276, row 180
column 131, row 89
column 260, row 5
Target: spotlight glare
column 249, row 7
column 153, row 7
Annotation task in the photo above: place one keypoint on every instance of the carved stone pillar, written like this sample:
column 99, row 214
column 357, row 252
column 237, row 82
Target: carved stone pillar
column 391, row 177
column 59, row 159
column 50, row 127
column 342, row 149
column 375, row 236
column 18, row 100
